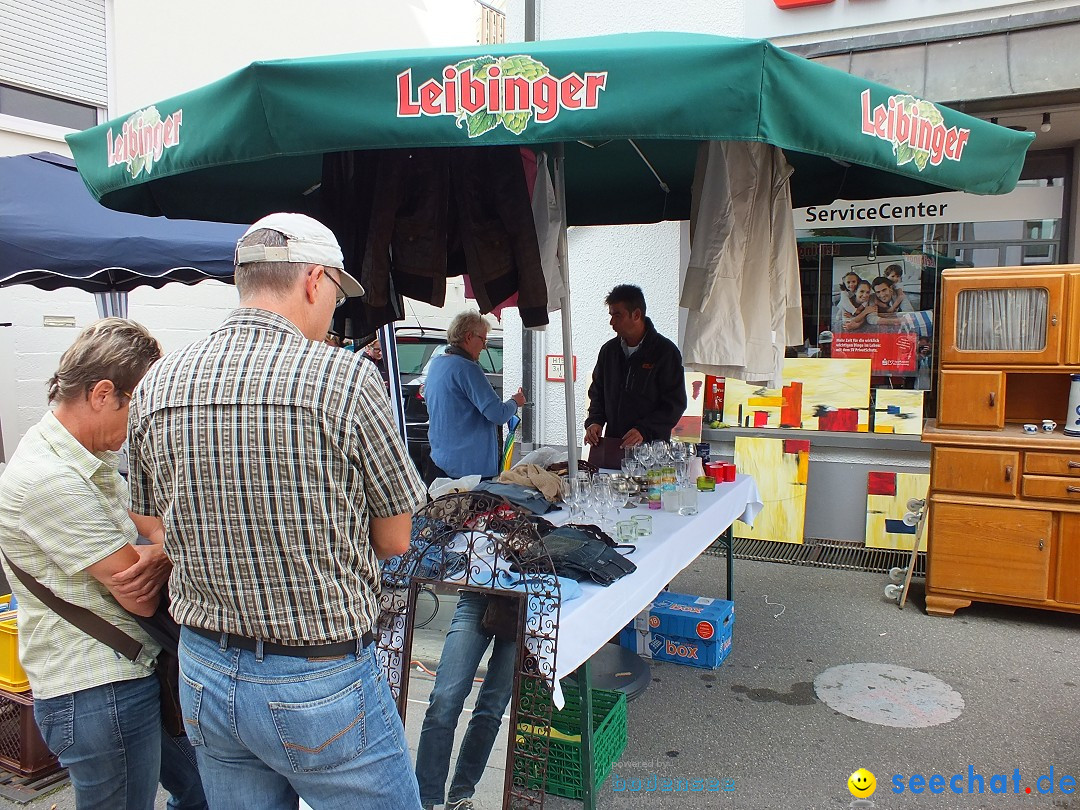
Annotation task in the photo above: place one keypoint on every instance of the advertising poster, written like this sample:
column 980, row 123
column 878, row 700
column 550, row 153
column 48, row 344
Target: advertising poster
column 876, row 312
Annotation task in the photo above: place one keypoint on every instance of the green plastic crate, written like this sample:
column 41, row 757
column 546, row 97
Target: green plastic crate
column 564, row 756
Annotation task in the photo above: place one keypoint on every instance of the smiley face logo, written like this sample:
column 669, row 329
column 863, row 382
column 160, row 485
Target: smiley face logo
column 862, row 784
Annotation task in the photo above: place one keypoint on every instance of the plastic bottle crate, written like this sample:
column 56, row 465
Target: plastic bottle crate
column 21, row 748
column 564, row 756
column 12, row 676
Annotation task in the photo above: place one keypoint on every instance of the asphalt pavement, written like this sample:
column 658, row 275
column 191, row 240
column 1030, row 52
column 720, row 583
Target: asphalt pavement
column 992, row 695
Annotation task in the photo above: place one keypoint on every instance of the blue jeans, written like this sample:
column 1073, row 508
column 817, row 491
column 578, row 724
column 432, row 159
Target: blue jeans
column 463, row 649
column 111, row 741
column 268, row 729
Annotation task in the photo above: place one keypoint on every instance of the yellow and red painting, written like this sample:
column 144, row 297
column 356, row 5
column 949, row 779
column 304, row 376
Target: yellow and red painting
column 887, row 496
column 780, row 468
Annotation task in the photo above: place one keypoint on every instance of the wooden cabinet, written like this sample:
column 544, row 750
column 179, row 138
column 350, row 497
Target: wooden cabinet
column 1003, row 317
column 971, row 399
column 1004, row 516
column 991, row 550
column 976, row 472
column 1004, row 519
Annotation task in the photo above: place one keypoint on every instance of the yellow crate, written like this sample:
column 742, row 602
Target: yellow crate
column 12, row 676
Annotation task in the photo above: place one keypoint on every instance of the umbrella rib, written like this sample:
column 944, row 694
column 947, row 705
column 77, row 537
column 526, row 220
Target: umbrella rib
column 641, row 155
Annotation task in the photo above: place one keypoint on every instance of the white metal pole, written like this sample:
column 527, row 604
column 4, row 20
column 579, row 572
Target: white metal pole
column 567, row 332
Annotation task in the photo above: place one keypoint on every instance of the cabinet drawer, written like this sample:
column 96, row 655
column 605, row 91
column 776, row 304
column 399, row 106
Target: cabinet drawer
column 990, row 472
column 1056, row 488
column 989, row 549
column 1052, row 463
column 971, row 399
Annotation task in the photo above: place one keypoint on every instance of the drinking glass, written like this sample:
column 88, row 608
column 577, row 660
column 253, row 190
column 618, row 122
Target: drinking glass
column 682, row 473
column 643, row 454
column 603, row 490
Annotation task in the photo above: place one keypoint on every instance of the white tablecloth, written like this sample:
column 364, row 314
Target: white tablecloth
column 587, row 623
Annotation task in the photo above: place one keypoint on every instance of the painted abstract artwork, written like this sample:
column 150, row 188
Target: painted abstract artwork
column 898, row 411
column 887, row 495
column 780, row 467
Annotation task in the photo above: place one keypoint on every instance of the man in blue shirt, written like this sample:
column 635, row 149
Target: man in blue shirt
column 463, row 409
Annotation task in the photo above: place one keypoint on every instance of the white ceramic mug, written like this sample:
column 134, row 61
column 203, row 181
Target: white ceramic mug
column 1049, row 425
column 1029, row 428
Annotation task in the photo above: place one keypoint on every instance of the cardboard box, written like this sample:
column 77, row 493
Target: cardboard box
column 683, row 629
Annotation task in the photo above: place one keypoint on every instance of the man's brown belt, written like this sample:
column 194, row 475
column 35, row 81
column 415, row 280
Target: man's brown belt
column 296, row 651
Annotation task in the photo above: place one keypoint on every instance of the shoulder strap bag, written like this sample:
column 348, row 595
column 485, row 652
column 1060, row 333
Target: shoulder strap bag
column 166, row 666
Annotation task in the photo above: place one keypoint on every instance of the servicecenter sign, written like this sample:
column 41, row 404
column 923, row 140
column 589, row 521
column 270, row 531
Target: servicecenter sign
column 1025, row 203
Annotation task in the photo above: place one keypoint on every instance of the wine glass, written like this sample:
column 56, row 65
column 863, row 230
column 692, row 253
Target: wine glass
column 643, row 454
column 631, row 468
column 606, row 495
column 583, row 492
column 661, row 451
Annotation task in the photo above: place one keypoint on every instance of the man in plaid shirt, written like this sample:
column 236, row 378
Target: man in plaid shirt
column 275, row 465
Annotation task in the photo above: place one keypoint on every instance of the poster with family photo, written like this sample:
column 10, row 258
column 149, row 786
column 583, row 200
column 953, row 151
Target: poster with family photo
column 876, row 312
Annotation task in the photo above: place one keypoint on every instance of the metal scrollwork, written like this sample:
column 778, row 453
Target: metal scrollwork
column 481, row 542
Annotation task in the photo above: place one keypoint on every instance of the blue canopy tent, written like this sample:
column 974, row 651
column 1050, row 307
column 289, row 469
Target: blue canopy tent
column 54, row 234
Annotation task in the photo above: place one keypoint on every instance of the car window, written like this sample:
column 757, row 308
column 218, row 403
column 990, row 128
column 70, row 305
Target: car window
column 414, row 355
column 438, row 351
column 491, row 359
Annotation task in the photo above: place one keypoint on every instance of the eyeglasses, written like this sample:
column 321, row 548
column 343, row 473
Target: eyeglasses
column 338, row 299
column 483, row 338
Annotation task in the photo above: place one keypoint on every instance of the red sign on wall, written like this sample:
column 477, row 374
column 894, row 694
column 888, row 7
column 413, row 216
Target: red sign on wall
column 799, row 3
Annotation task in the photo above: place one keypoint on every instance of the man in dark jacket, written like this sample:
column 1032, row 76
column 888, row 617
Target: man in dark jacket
column 637, row 387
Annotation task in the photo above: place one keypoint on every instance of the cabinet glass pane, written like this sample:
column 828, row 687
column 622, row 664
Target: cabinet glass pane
column 1002, row 320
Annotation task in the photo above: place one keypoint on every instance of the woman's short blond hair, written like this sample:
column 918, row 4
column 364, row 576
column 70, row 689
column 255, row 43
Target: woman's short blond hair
column 465, row 323
column 113, row 349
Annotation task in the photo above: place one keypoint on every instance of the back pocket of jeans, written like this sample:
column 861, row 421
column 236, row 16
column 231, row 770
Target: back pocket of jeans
column 57, row 723
column 191, row 693
column 318, row 735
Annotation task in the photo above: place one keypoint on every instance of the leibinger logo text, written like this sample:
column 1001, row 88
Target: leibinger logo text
column 975, row 782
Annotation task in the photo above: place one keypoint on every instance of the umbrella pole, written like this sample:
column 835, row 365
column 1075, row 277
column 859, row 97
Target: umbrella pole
column 567, row 332
column 388, row 340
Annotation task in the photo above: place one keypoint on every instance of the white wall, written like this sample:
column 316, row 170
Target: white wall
column 30, row 352
column 163, row 48
column 601, row 257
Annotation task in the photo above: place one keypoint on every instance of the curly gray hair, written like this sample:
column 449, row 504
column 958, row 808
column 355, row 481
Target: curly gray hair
column 465, row 323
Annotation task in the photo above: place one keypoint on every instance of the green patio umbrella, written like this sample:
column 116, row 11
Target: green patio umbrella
column 624, row 115
column 630, row 110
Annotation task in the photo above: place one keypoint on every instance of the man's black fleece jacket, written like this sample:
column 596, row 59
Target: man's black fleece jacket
column 644, row 391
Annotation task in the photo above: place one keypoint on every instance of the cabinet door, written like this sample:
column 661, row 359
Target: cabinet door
column 1003, row 319
column 976, row 472
column 990, row 549
column 1072, row 349
column 1068, row 563
column 971, row 399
